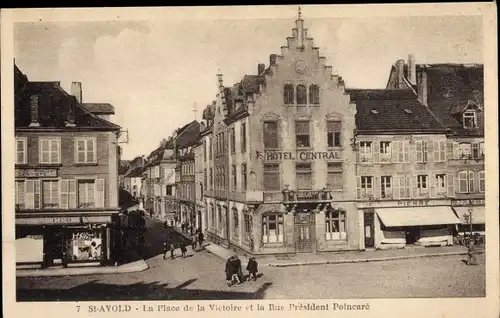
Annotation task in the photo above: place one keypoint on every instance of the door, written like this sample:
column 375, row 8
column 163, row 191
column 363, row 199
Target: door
column 369, row 229
column 304, row 226
column 54, row 247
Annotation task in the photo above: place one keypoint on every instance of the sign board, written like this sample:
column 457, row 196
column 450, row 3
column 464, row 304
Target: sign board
column 36, row 173
column 402, row 203
column 467, row 202
column 298, row 155
column 63, row 220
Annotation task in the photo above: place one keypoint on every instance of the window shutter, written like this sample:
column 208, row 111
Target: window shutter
column 414, row 186
column 38, row 199
column 436, row 151
column 30, row 195
column 72, row 194
column 376, row 188
column 407, row 183
column 419, row 151
column 358, row 187
column 99, row 198
column 376, row 152
column 455, row 150
column 395, row 187
column 432, row 185
column 63, row 194
column 406, row 151
column 442, row 151
column 451, row 185
column 471, row 182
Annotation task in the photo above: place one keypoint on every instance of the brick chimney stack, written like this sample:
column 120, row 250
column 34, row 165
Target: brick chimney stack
column 34, row 108
column 400, row 64
column 76, row 90
column 261, row 68
column 412, row 70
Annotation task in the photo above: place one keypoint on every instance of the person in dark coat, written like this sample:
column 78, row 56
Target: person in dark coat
column 229, row 272
column 183, row 250
column 201, row 237
column 237, row 272
column 172, row 250
column 194, row 237
column 252, row 268
column 166, row 248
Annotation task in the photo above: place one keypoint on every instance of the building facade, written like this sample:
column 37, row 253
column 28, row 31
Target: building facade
column 132, row 181
column 66, row 178
column 201, row 220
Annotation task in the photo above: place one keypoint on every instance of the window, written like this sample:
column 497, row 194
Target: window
column 482, row 184
column 211, row 148
column 302, row 134
column 204, row 150
column 440, row 182
column 50, row 194
column 169, row 190
column 470, row 120
column 236, row 223
column 333, row 129
column 20, row 194
column 334, row 176
column 32, row 194
column 219, row 217
column 466, row 181
column 205, row 177
column 233, row 177
column 272, row 177
column 243, row 138
column 213, row 214
column 50, row 150
column 272, row 228
column 421, row 148
column 288, row 94
column 270, row 135
column 314, row 94
column 401, row 187
column 303, row 176
column 400, row 151
column 364, row 187
column 385, row 151
column 481, row 149
column 439, row 151
column 21, row 153
column 301, row 95
column 85, row 150
column 233, row 140
column 365, row 151
column 244, row 176
column 86, row 194
column 465, row 150
column 386, row 187
column 211, row 179
column 422, row 188
column 335, row 222
column 247, row 220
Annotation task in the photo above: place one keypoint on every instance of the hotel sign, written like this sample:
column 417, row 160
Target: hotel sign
column 298, row 155
column 36, row 173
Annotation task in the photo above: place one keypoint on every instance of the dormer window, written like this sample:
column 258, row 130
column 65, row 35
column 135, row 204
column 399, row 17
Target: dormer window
column 470, row 120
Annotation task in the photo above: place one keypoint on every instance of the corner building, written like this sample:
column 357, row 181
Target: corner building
column 282, row 153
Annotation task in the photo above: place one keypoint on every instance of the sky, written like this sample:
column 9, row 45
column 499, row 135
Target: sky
column 155, row 72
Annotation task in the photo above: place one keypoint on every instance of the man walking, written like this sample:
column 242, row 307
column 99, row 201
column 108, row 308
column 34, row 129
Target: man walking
column 200, row 239
column 193, row 242
column 172, row 250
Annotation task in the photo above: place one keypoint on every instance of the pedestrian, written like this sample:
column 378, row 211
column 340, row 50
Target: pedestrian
column 252, row 268
column 182, row 227
column 172, row 250
column 236, row 269
column 193, row 241
column 471, row 258
column 229, row 272
column 200, row 240
column 183, row 249
column 165, row 249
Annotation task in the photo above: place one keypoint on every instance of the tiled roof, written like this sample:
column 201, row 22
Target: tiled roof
column 100, row 108
column 381, row 111
column 124, row 164
column 188, row 134
column 135, row 173
column 250, row 83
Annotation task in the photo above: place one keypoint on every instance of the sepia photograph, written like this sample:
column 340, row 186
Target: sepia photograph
column 308, row 155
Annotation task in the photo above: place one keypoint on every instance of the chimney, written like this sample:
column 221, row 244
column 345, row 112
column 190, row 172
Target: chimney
column 34, row 111
column 202, row 126
column 272, row 59
column 412, row 70
column 261, row 68
column 76, row 90
column 300, row 31
column 400, row 64
column 422, row 87
column 70, row 119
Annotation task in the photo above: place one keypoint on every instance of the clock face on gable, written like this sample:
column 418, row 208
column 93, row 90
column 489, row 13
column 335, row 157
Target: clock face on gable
column 300, row 66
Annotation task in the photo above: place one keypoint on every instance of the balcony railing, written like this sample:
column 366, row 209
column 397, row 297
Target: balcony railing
column 306, row 195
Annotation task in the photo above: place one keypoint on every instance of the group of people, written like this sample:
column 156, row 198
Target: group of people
column 234, row 273
column 187, row 228
column 197, row 239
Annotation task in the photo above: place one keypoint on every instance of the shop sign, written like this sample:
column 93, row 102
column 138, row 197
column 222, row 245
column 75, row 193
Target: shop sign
column 414, row 203
column 64, row 220
column 467, row 202
column 298, row 155
column 36, row 173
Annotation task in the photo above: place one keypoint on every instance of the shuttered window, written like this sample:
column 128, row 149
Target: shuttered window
column 303, row 176
column 270, row 131
column 21, row 150
column 302, row 134
column 272, row 177
column 50, row 151
column 20, row 194
column 335, row 176
column 85, row 150
column 466, row 181
column 333, row 129
column 50, row 194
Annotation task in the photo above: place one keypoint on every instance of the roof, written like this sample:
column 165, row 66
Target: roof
column 124, row 164
column 135, row 173
column 54, row 107
column 188, row 134
column 380, row 111
column 100, row 108
column 251, row 83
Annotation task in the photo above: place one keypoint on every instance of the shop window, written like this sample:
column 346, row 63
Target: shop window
column 21, row 152
column 335, row 222
column 85, row 246
column 20, row 194
column 272, row 177
column 270, row 135
column 244, row 176
column 482, row 184
column 247, row 219
column 385, row 151
column 302, row 134
column 333, row 129
column 272, row 228
column 440, row 182
column 334, row 176
column 50, row 150
column 236, row 223
column 50, row 194
column 469, row 119
column 466, row 181
column 314, row 94
column 301, row 95
column 303, row 176
column 365, row 151
column 364, row 187
column 422, row 188
column 85, row 150
column 243, row 137
column 386, row 187
column 421, row 149
column 288, row 94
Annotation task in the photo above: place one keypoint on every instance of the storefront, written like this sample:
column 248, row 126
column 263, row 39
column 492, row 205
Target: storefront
column 470, row 212
column 69, row 240
column 398, row 224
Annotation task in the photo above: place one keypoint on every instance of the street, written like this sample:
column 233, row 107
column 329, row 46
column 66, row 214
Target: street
column 201, row 276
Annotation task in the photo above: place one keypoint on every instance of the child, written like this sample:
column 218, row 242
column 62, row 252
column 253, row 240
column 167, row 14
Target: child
column 252, row 268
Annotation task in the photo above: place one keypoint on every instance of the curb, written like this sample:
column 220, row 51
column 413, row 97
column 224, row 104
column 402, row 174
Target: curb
column 366, row 260
column 140, row 267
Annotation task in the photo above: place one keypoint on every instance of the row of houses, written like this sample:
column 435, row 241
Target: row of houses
column 290, row 160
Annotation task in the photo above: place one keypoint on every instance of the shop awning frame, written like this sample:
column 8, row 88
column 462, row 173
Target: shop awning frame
column 478, row 214
column 417, row 216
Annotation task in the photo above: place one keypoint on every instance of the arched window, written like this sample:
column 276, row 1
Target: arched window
column 314, row 94
column 236, row 223
column 288, row 94
column 466, row 181
column 272, row 228
column 335, row 222
column 301, row 95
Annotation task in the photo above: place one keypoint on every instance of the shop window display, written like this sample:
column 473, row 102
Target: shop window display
column 85, row 246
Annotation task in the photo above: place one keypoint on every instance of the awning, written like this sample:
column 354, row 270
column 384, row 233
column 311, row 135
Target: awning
column 478, row 214
column 414, row 216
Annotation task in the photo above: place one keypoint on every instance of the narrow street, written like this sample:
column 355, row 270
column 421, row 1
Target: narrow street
column 201, row 276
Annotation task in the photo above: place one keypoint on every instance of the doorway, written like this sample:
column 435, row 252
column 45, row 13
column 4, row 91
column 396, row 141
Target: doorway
column 304, row 226
column 412, row 234
column 54, row 249
column 369, row 229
